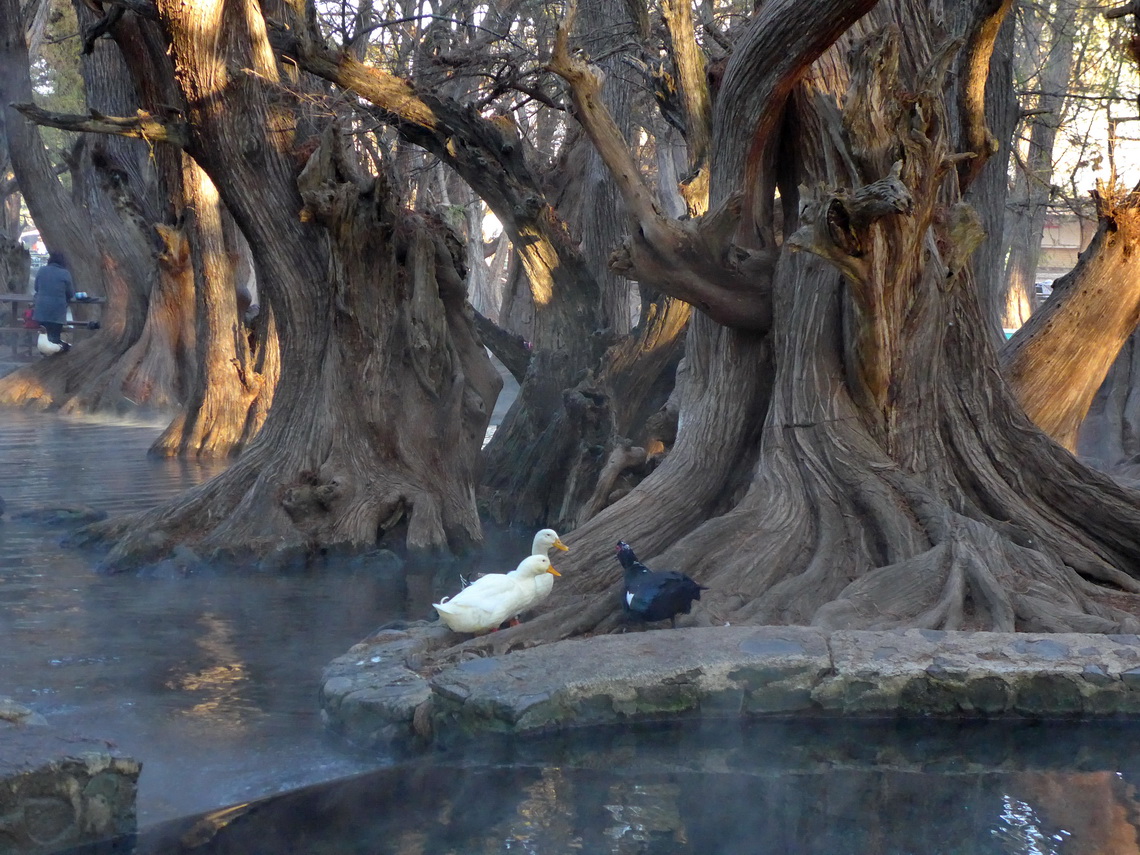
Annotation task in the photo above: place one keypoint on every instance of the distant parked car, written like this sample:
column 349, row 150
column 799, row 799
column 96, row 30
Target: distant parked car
column 1043, row 289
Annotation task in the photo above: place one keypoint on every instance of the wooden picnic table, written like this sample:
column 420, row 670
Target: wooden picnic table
column 18, row 302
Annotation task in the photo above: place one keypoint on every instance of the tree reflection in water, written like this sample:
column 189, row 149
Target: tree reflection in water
column 646, row 818
column 718, row 788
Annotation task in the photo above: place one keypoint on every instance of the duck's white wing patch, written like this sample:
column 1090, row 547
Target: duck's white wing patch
column 629, row 598
column 491, row 585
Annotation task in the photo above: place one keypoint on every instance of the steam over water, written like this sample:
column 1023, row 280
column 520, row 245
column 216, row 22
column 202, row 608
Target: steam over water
column 210, row 680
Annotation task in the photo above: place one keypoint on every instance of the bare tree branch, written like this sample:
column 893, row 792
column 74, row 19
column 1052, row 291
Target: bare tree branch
column 1132, row 8
column 591, row 112
column 144, row 126
column 973, row 71
column 694, row 261
column 102, row 27
column 487, row 153
column 510, row 349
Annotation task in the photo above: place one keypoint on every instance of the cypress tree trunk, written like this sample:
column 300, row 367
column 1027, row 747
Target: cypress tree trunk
column 385, row 392
column 885, row 474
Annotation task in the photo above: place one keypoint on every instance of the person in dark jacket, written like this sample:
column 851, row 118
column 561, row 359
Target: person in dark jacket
column 54, row 290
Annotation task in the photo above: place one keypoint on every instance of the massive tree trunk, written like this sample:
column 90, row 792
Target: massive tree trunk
column 561, row 421
column 232, row 369
column 173, row 338
column 156, row 219
column 238, row 363
column 385, row 392
column 607, row 431
column 888, row 477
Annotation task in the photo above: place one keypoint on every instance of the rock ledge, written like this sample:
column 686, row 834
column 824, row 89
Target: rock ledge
column 375, row 695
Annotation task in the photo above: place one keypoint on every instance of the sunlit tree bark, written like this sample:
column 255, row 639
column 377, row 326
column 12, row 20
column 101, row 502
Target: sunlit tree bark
column 1055, row 363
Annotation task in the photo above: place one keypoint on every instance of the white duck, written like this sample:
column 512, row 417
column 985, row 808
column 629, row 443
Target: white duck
column 491, row 599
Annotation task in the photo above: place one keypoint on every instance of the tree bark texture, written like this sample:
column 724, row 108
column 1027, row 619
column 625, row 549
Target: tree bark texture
column 238, row 363
column 610, row 30
column 989, row 193
column 885, row 475
column 690, row 87
column 1055, row 363
column 15, row 266
column 1110, row 434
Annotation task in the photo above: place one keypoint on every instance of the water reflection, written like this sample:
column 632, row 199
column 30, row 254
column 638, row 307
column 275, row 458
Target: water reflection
column 786, row 788
column 219, row 681
column 210, row 680
column 646, row 818
column 1089, row 814
column 1019, row 830
column 544, row 813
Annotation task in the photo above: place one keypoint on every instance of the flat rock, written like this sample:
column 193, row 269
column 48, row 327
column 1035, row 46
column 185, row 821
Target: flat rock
column 377, row 693
column 719, row 671
column 372, row 693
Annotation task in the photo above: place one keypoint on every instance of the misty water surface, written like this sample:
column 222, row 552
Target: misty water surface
column 210, row 680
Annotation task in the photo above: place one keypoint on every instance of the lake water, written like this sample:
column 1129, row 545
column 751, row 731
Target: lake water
column 211, row 681
column 718, row 788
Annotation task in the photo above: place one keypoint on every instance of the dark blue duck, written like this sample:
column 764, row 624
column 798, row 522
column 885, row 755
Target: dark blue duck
column 653, row 595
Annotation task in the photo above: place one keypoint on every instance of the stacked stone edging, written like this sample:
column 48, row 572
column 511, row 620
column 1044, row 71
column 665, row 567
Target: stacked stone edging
column 375, row 695
column 59, row 791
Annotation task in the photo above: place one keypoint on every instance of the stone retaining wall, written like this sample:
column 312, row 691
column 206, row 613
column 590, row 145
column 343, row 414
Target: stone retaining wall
column 375, row 695
column 58, row 792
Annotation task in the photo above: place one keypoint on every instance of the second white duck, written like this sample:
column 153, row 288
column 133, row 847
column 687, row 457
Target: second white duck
column 492, row 599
